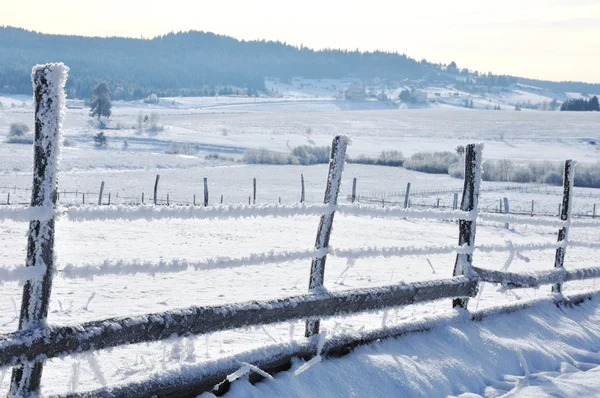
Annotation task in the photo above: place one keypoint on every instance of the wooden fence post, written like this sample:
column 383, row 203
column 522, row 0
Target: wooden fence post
column 506, row 211
column 142, row 198
column 194, row 200
column 407, row 196
column 354, row 190
column 594, row 211
column 254, row 191
column 49, row 97
column 334, row 179
column 109, row 198
column 205, row 191
column 156, row 189
column 83, row 198
column 455, row 201
column 565, row 215
column 221, row 199
column 8, row 199
column 302, row 193
column 469, row 202
column 532, row 207
column 100, row 195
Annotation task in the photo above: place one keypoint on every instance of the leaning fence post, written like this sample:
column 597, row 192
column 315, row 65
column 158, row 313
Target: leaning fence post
column 49, row 82
column 205, row 191
column 354, row 190
column 302, row 192
column 156, row 188
column 407, row 196
column 469, row 203
column 334, row 179
column 565, row 215
column 100, row 195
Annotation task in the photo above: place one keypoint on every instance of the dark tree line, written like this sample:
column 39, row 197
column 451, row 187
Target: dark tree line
column 581, row 104
column 200, row 64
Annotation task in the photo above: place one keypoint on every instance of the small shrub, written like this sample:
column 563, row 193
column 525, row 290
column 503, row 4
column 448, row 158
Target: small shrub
column 307, row 154
column 431, row 162
column 216, row 156
column 552, row 178
column 18, row 133
column 182, row 148
column 100, row 140
column 265, row 156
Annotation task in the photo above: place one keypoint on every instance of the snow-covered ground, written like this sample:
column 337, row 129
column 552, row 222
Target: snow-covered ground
column 228, row 128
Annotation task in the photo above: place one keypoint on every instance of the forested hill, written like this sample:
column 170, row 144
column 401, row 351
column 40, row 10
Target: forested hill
column 192, row 63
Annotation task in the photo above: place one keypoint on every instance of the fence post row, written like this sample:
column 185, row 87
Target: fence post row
column 156, row 189
column 49, row 82
column 334, row 180
column 565, row 215
column 469, row 202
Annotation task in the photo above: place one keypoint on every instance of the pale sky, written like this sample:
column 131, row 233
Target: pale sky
column 545, row 39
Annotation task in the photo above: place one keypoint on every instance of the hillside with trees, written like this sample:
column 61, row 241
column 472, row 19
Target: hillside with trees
column 580, row 104
column 198, row 63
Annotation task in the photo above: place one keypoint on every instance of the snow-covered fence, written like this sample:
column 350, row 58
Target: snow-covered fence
column 35, row 341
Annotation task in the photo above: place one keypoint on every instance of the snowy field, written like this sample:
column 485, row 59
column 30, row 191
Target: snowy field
column 230, row 128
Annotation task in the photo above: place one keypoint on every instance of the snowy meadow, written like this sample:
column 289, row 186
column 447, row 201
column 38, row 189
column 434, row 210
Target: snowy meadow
column 228, row 127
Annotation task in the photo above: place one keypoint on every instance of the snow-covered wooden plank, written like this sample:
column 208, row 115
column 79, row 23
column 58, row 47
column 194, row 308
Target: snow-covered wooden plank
column 535, row 278
column 50, row 342
column 50, row 99
column 565, row 215
column 469, row 203
column 337, row 161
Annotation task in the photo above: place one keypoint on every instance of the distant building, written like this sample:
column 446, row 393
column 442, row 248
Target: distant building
column 356, row 93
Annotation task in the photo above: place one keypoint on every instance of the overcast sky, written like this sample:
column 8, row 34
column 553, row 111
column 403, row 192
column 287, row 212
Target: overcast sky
column 546, row 39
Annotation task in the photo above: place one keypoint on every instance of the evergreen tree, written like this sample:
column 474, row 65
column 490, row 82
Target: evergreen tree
column 100, row 106
column 593, row 104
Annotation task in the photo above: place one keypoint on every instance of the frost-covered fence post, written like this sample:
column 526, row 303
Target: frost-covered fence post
column 455, row 201
column 205, row 191
column 506, row 211
column 532, row 207
column 100, row 195
column 337, row 159
column 469, row 202
column 407, row 196
column 8, row 199
column 354, row 190
column 565, row 215
column 254, row 191
column 156, row 189
column 49, row 96
column 302, row 192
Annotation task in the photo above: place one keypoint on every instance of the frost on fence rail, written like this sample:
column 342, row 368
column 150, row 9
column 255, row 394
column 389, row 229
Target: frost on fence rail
column 95, row 213
column 526, row 220
column 25, row 213
column 388, row 212
column 535, row 279
column 49, row 342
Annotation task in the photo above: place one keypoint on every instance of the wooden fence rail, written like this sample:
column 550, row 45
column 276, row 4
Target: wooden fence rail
column 35, row 341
